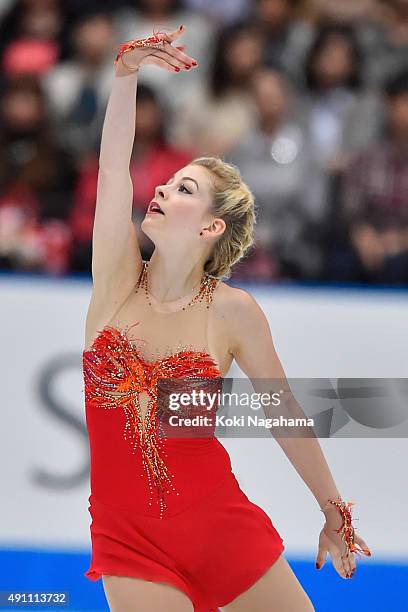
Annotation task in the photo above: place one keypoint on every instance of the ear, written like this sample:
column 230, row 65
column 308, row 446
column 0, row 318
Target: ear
column 217, row 227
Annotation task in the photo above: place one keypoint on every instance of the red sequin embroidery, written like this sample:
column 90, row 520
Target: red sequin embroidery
column 114, row 375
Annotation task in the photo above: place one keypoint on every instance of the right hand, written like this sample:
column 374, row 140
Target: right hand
column 344, row 562
column 170, row 58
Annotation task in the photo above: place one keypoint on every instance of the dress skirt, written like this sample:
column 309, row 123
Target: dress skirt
column 213, row 550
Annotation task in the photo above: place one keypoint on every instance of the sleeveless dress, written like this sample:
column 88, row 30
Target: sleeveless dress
column 166, row 508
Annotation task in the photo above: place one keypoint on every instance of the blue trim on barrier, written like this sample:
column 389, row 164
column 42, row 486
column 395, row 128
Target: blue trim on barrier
column 376, row 586
column 82, row 277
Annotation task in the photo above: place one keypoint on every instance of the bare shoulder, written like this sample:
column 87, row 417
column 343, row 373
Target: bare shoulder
column 238, row 310
column 249, row 335
column 237, row 302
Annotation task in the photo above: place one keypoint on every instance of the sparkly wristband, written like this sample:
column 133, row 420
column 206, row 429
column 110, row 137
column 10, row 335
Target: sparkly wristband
column 155, row 41
column 346, row 528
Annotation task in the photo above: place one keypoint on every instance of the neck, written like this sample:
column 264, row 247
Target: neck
column 172, row 278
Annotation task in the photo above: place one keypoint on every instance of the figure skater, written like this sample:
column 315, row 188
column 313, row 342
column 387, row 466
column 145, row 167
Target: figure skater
column 171, row 528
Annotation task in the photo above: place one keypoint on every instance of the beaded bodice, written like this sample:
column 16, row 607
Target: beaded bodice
column 117, row 373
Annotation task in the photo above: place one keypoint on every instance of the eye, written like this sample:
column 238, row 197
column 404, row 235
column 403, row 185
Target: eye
column 182, row 186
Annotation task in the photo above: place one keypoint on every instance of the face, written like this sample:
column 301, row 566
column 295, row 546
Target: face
column 186, row 202
column 42, row 20
column 333, row 65
column 270, row 95
column 274, row 12
column 22, row 110
column 93, row 37
column 244, row 54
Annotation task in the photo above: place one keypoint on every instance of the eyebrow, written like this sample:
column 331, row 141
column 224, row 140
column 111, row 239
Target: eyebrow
column 186, row 178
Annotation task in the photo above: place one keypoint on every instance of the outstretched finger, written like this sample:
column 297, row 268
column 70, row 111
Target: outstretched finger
column 352, row 560
column 361, row 543
column 169, row 37
column 153, row 59
column 338, row 563
column 176, row 53
column 347, row 558
column 170, row 59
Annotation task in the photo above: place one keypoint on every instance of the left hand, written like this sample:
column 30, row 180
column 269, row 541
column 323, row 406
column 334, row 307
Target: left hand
column 331, row 542
column 170, row 57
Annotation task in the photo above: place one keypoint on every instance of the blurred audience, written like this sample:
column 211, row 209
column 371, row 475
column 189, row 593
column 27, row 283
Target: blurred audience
column 78, row 89
column 39, row 23
column 224, row 12
column 308, row 97
column 374, row 201
column 278, row 161
column 336, row 105
column 216, row 114
column 36, row 183
column 363, row 17
column 32, row 37
column 276, row 22
column 391, row 48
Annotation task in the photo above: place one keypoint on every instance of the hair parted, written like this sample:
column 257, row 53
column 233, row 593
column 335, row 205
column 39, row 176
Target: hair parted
column 233, row 202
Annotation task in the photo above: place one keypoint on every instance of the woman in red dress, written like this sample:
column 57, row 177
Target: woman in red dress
column 171, row 528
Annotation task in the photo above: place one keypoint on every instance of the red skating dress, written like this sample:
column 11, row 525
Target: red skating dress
column 166, row 508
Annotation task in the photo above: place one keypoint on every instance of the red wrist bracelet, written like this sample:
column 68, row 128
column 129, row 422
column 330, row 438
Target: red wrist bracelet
column 155, row 41
column 346, row 528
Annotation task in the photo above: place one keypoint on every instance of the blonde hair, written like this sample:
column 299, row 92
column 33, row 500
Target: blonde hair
column 234, row 202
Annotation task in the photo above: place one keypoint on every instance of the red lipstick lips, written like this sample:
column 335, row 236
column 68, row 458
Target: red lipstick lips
column 154, row 208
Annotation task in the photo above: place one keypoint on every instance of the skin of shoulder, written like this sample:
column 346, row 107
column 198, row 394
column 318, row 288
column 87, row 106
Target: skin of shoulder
column 231, row 306
column 248, row 334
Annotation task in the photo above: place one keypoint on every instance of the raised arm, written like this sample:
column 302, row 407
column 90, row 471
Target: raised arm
column 116, row 257
column 115, row 250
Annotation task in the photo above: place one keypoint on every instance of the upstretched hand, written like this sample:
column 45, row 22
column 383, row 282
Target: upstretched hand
column 164, row 55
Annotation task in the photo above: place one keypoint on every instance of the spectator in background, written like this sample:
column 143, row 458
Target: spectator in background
column 391, row 49
column 39, row 20
column 36, row 181
column 340, row 113
column 363, row 17
column 78, row 89
column 154, row 160
column 276, row 21
column 144, row 17
column 374, row 201
column 277, row 161
column 31, row 37
column 226, row 106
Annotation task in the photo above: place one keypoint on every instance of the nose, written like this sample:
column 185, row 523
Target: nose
column 160, row 192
